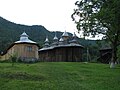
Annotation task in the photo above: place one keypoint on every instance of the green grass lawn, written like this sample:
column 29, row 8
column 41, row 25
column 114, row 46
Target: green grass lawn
column 59, row 76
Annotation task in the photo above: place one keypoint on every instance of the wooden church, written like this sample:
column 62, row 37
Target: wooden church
column 24, row 49
column 63, row 49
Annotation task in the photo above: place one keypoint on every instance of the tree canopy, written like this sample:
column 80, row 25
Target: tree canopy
column 95, row 17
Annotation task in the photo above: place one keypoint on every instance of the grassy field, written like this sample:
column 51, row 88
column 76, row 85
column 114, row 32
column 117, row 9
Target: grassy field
column 59, row 76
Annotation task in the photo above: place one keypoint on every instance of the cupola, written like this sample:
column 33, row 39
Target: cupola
column 46, row 42
column 24, row 39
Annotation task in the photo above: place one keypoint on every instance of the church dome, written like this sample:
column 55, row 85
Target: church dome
column 46, row 40
column 55, row 37
column 24, row 39
column 65, row 34
column 61, row 40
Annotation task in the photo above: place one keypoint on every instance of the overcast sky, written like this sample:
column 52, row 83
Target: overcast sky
column 55, row 15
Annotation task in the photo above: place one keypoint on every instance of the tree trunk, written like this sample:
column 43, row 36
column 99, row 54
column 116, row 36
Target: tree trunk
column 114, row 56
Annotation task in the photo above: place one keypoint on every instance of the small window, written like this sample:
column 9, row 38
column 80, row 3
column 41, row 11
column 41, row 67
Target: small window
column 29, row 48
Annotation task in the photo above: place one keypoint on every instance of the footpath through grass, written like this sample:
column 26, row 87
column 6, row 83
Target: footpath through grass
column 59, row 76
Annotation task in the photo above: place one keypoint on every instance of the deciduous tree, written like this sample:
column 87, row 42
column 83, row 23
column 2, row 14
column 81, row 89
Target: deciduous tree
column 95, row 17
